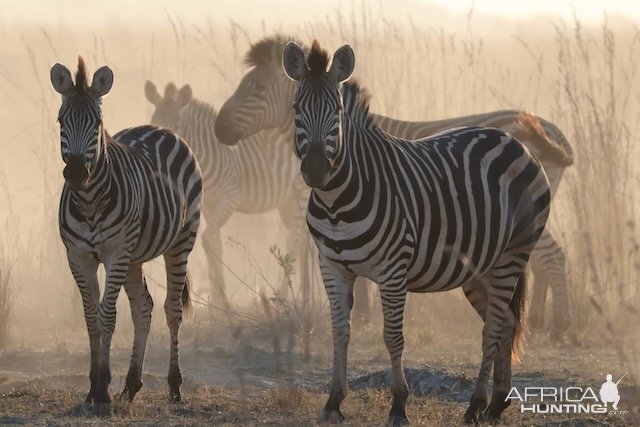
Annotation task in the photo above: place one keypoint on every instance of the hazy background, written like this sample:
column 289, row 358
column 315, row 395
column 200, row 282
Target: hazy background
column 574, row 65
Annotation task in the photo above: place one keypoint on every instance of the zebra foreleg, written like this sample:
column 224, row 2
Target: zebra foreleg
column 211, row 240
column 141, row 309
column 85, row 275
column 116, row 272
column 339, row 287
column 393, row 300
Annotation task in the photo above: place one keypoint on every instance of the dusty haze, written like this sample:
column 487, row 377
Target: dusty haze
column 420, row 61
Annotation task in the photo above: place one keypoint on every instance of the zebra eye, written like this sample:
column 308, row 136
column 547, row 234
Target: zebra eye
column 296, row 107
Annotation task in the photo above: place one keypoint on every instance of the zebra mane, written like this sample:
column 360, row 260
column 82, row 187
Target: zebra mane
column 202, row 107
column 317, row 60
column 355, row 101
column 267, row 50
column 81, row 76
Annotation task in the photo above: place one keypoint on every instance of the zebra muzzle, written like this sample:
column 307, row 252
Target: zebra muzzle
column 76, row 173
column 315, row 167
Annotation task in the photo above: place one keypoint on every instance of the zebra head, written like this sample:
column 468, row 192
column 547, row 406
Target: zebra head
column 318, row 107
column 81, row 131
column 262, row 100
column 168, row 107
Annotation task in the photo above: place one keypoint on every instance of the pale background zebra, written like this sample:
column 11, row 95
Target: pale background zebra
column 257, row 176
column 461, row 209
column 126, row 200
column 262, row 100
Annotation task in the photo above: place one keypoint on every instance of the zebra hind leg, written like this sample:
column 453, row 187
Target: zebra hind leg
column 476, row 293
column 501, row 374
column 500, row 287
column 177, row 299
column 513, row 327
column 141, row 309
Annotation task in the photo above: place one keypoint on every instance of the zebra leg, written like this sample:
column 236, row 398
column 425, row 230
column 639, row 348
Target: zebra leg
column 339, row 286
column 499, row 289
column 211, row 240
column 213, row 249
column 501, row 373
column 141, row 308
column 176, row 265
column 393, row 300
column 553, row 260
column 539, row 291
column 116, row 272
column 85, row 274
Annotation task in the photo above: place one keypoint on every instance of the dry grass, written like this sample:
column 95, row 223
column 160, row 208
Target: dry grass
column 282, row 407
column 584, row 79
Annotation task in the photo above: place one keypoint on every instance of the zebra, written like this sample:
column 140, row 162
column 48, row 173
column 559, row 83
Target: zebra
column 257, row 176
column 414, row 216
column 126, row 200
column 263, row 101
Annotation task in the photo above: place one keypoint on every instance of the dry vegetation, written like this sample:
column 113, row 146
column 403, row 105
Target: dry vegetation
column 585, row 79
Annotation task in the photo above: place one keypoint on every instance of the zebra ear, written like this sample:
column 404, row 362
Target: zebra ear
column 151, row 92
column 293, row 62
column 184, row 96
column 102, row 81
column 343, row 63
column 61, row 79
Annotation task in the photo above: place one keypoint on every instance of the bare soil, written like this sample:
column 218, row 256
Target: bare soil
column 231, row 380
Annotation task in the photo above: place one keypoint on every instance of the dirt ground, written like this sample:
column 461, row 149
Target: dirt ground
column 233, row 378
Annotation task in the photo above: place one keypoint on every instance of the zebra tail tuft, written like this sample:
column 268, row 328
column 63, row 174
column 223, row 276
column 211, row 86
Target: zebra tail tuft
column 518, row 307
column 186, row 295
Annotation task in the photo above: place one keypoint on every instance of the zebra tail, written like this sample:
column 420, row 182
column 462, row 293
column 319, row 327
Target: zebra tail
column 186, row 295
column 519, row 309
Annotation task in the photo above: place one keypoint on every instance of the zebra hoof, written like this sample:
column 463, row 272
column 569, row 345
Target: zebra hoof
column 331, row 417
column 175, row 396
column 397, row 421
column 132, row 386
column 497, row 406
column 476, row 406
column 102, row 409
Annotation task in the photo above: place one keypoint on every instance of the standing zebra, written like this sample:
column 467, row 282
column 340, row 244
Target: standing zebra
column 263, row 101
column 126, row 200
column 414, row 216
column 257, row 176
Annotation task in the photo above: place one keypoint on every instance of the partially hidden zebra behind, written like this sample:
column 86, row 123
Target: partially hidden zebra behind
column 126, row 200
column 256, row 176
column 461, row 209
column 262, row 101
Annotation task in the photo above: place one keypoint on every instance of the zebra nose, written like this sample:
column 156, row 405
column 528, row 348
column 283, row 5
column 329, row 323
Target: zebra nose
column 76, row 173
column 224, row 128
column 315, row 166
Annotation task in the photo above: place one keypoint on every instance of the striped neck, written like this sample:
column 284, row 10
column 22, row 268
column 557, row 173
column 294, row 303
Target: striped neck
column 196, row 127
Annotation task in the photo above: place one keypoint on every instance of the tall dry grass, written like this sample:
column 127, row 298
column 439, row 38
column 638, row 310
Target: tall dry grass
column 598, row 82
column 583, row 78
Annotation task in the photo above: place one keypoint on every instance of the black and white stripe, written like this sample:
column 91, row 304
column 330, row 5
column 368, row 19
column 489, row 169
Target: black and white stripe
column 461, row 209
column 256, row 176
column 126, row 200
column 263, row 101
